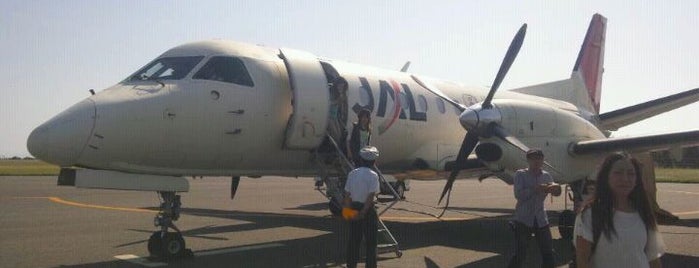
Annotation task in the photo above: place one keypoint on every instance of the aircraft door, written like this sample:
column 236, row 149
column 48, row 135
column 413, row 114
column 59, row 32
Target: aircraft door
column 308, row 122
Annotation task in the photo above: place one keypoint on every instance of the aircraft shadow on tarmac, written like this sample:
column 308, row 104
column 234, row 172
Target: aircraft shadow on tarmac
column 311, row 207
column 328, row 250
column 685, row 223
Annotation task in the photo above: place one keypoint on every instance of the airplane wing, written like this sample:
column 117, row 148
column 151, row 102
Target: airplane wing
column 637, row 144
column 619, row 118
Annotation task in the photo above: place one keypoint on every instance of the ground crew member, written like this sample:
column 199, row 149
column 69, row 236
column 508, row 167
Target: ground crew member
column 532, row 185
column 360, row 190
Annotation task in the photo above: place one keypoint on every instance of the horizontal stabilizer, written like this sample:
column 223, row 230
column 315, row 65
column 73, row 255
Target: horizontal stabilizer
column 636, row 144
column 619, row 118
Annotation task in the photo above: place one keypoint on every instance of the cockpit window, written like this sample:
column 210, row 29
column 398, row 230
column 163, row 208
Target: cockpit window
column 225, row 69
column 171, row 68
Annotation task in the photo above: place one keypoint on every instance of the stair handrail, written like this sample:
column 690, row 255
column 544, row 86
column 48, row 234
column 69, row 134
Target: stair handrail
column 339, row 152
column 382, row 179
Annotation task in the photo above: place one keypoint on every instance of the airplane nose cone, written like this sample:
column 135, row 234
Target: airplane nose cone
column 62, row 139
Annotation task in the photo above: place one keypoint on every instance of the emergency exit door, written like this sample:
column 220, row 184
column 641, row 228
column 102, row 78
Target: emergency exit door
column 308, row 122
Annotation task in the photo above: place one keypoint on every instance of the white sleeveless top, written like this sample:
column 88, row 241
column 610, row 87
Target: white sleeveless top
column 632, row 246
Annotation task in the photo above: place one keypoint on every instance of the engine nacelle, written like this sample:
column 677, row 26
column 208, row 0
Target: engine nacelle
column 489, row 152
column 499, row 156
column 533, row 120
column 538, row 125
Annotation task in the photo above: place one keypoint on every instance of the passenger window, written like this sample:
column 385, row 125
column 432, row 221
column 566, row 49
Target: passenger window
column 440, row 105
column 403, row 100
column 225, row 69
column 171, row 68
column 421, row 104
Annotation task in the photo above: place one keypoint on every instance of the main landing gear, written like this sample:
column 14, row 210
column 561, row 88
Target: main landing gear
column 163, row 244
column 566, row 220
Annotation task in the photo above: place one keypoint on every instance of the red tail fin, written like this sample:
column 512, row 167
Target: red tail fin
column 590, row 60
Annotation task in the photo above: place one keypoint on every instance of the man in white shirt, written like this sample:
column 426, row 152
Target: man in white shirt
column 360, row 190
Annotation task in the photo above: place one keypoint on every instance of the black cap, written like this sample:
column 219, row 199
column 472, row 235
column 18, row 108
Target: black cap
column 534, row 152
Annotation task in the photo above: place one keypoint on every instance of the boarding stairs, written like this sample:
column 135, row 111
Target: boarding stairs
column 386, row 242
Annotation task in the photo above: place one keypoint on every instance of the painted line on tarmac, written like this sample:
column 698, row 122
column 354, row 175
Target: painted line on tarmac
column 83, row 205
column 686, row 212
column 396, row 218
column 681, row 192
column 76, row 204
column 145, row 262
column 139, row 260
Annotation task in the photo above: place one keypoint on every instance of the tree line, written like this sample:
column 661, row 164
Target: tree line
column 16, row 158
column 690, row 158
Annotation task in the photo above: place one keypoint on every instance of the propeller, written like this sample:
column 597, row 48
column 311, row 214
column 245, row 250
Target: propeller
column 481, row 119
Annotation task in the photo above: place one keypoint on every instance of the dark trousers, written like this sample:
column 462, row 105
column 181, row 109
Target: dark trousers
column 543, row 238
column 367, row 228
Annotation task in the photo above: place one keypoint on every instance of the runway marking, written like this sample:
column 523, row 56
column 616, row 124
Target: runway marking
column 686, row 212
column 396, row 218
column 681, row 192
column 83, row 205
column 76, row 204
column 139, row 260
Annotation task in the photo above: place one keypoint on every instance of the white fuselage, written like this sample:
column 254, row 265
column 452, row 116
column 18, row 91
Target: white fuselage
column 193, row 126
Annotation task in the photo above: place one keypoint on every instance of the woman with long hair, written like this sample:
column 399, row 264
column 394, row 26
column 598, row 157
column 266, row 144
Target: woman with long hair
column 617, row 227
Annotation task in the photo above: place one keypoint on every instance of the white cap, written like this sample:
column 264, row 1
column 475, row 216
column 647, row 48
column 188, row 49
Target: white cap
column 369, row 153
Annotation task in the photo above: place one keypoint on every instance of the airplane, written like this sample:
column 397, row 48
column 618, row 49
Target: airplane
column 224, row 108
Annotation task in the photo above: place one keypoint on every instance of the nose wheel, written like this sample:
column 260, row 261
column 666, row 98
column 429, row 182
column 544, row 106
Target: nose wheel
column 164, row 244
column 167, row 246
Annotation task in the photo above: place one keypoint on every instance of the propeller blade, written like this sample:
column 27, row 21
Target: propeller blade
column 235, row 181
column 467, row 147
column 506, row 63
column 439, row 93
column 503, row 134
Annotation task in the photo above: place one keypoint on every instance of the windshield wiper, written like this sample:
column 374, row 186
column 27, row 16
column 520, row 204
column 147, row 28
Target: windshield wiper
column 149, row 78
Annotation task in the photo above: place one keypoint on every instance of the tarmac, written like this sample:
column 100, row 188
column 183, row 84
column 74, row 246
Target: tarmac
column 285, row 222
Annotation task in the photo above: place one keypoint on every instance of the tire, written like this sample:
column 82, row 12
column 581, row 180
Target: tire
column 566, row 223
column 400, row 190
column 173, row 245
column 155, row 245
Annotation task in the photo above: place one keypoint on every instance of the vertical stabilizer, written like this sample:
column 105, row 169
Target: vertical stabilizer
column 590, row 63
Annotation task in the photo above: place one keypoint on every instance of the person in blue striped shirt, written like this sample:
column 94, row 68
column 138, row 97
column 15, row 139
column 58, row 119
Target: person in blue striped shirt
column 532, row 185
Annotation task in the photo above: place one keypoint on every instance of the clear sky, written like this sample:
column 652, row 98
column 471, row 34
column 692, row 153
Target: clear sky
column 53, row 52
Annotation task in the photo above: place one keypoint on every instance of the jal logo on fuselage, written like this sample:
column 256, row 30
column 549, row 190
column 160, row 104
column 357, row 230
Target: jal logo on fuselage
column 389, row 89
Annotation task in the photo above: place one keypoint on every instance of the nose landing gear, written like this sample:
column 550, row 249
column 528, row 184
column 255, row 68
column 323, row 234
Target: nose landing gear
column 163, row 244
